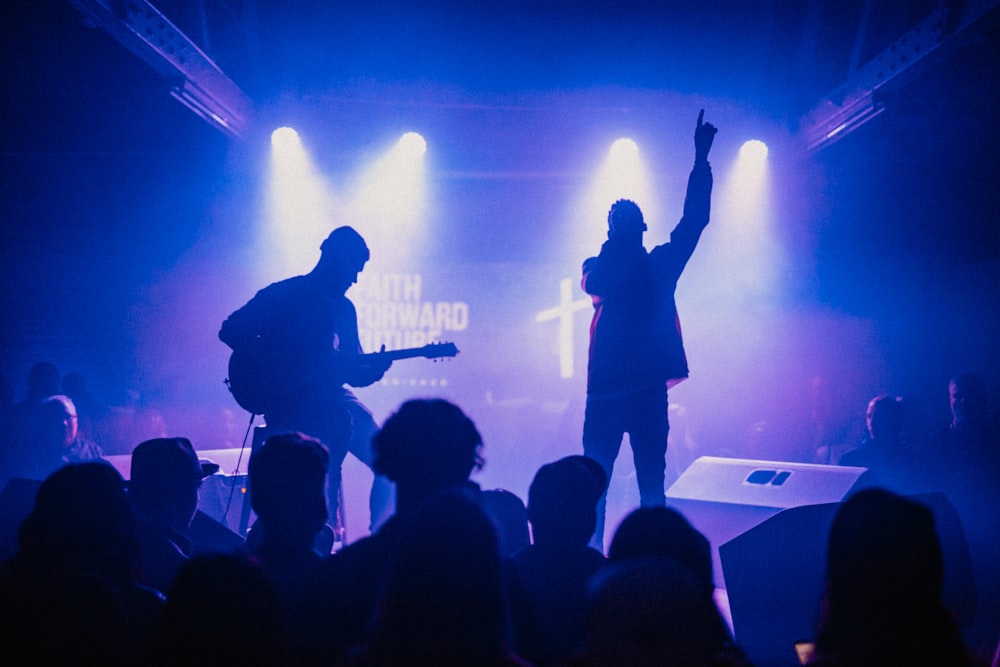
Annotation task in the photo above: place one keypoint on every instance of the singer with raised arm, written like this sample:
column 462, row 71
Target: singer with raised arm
column 636, row 350
column 296, row 348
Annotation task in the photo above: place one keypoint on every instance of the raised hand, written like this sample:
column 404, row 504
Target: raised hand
column 704, row 134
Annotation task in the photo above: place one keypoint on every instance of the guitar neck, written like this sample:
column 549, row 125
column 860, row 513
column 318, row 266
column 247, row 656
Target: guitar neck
column 396, row 355
column 430, row 351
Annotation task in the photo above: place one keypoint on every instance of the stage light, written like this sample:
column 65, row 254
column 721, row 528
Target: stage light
column 623, row 168
column 284, row 137
column 745, row 236
column 413, row 144
column 750, row 171
column 621, row 175
column 389, row 201
column 299, row 205
column 624, row 151
column 754, row 151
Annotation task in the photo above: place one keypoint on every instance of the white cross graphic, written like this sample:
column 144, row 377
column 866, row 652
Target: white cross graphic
column 564, row 312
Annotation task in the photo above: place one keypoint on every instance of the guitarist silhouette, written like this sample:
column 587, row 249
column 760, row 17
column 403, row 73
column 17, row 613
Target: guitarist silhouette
column 295, row 348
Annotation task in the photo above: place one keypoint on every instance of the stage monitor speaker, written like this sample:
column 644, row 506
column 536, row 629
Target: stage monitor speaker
column 723, row 498
column 775, row 576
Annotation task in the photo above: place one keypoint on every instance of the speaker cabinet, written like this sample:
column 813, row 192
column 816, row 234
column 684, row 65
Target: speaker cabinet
column 723, row 498
column 768, row 524
column 775, row 573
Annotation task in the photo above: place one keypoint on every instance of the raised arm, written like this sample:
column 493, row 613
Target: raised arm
column 704, row 135
column 697, row 202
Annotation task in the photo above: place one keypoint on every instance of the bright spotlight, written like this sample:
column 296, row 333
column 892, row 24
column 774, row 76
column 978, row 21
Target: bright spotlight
column 389, row 200
column 413, row 144
column 621, row 174
column 624, row 150
column 298, row 204
column 284, row 137
column 754, row 150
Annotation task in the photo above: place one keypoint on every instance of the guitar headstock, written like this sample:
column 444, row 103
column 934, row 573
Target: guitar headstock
column 439, row 350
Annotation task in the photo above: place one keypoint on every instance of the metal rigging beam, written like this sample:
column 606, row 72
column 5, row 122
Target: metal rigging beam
column 196, row 80
column 930, row 42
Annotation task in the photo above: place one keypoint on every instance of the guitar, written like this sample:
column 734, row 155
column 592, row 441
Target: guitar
column 255, row 388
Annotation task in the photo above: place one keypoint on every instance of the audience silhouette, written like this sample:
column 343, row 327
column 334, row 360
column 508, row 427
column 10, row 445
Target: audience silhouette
column 510, row 517
column 287, row 478
column 69, row 595
column 92, row 414
column 884, row 579
column 426, row 447
column 220, row 610
column 664, row 532
column 103, row 571
column 548, row 579
column 891, row 461
column 163, row 490
column 47, row 439
column 653, row 611
column 443, row 599
column 965, row 454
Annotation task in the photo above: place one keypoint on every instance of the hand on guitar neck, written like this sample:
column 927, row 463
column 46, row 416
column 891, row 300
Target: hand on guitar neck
column 375, row 364
column 368, row 368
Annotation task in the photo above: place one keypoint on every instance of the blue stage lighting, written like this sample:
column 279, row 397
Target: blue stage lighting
column 284, row 137
column 624, row 149
column 754, row 150
column 413, row 144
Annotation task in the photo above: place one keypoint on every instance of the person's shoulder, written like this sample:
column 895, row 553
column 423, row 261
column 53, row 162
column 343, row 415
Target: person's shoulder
column 283, row 288
column 660, row 250
column 857, row 457
column 83, row 449
column 294, row 283
column 363, row 554
column 346, row 302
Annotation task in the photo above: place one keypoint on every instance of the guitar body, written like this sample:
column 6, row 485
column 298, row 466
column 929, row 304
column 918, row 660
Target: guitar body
column 249, row 382
column 258, row 385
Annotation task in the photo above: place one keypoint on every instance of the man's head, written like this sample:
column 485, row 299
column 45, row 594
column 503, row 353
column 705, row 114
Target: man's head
column 427, row 445
column 562, row 500
column 625, row 220
column 165, row 477
column 288, row 477
column 344, row 254
column 81, row 522
column 885, row 418
column 56, row 422
column 882, row 549
column 664, row 532
column 968, row 400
